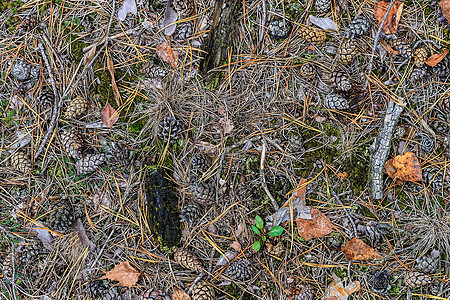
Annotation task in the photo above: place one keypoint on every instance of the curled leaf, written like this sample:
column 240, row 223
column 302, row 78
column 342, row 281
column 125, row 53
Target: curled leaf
column 436, row 58
column 167, row 54
column 124, row 273
column 393, row 17
column 405, row 167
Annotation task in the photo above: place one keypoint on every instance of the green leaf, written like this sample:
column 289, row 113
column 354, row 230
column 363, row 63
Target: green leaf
column 256, row 246
column 259, row 222
column 264, row 238
column 256, row 230
column 276, row 231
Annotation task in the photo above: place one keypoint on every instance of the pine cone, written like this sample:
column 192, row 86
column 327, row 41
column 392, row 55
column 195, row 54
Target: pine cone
column 403, row 48
column 279, row 29
column 8, row 265
column 420, row 56
column 190, row 214
column 89, row 163
column 154, row 295
column 203, row 192
column 359, row 26
column 335, row 102
column 72, row 142
column 22, row 70
column 296, row 143
column 418, row 73
column 416, row 279
column 340, row 80
column 322, row 6
column 307, row 71
column 29, row 253
column 77, row 108
column 347, row 51
column 203, row 291
column 152, row 70
column 427, row 144
column 201, row 162
column 21, row 162
column 301, row 292
column 184, row 31
column 240, row 269
column 46, row 99
column 375, row 231
column 169, row 128
column 427, row 264
column 440, row 126
column 188, row 260
column 28, row 23
column 312, row 34
column 184, row 8
column 442, row 69
column 433, row 178
column 444, row 105
column 380, row 282
column 61, row 217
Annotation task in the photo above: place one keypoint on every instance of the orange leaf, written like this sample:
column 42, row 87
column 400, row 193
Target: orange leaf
column 408, row 167
column 436, row 58
column 445, row 5
column 393, row 17
column 115, row 89
column 337, row 291
column 180, row 295
column 390, row 170
column 356, row 249
column 343, row 175
column 124, row 273
column 316, row 227
column 167, row 54
column 109, row 115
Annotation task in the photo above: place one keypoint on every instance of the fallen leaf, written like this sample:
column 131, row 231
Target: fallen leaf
column 393, row 17
column 43, row 233
column 436, row 58
column 324, row 23
column 128, row 6
column 124, row 273
column 170, row 17
column 88, row 56
column 79, row 228
column 407, row 167
column 110, row 66
column 167, row 54
column 109, row 115
column 356, row 249
column 180, row 295
column 236, row 246
column 337, row 291
column 227, row 125
column 226, row 258
column 319, row 118
column 240, row 229
column 445, row 6
column 316, row 227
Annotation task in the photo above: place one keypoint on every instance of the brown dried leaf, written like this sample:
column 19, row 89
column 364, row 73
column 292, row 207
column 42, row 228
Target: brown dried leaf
column 227, row 125
column 180, row 295
column 337, row 291
column 393, row 17
column 167, row 54
column 79, row 228
column 445, row 6
column 109, row 115
column 407, row 167
column 88, row 56
column 236, row 246
column 436, row 58
column 356, row 249
column 115, row 89
column 124, row 273
column 390, row 170
column 316, row 227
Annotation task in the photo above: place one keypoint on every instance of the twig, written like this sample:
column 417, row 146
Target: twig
column 377, row 38
column 13, row 280
column 338, row 200
column 263, row 179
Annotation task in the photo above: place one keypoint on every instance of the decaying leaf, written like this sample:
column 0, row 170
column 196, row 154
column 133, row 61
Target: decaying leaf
column 227, row 125
column 124, row 273
column 128, row 6
column 43, row 233
column 180, row 295
column 436, row 58
column 115, row 89
column 356, row 249
column 109, row 115
column 79, row 228
column 445, row 6
column 167, row 54
column 404, row 167
column 393, row 17
column 316, row 227
column 226, row 258
column 324, row 23
column 170, row 17
column 236, row 246
column 337, row 291
column 88, row 56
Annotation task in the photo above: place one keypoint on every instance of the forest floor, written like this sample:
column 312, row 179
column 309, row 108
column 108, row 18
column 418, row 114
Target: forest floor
column 269, row 155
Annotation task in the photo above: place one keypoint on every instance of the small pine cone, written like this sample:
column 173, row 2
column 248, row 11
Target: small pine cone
column 296, row 143
column 375, row 230
column 28, row 23
column 21, row 162
column 312, row 34
column 154, row 295
column 427, row 144
column 420, row 55
column 46, row 99
column 403, row 48
column 184, row 8
column 427, row 264
column 61, row 217
column 72, row 142
column 399, row 132
column 435, row 288
column 190, row 214
column 97, row 289
column 347, row 51
column 203, row 291
column 169, row 128
column 184, row 31
column 343, row 4
column 442, row 69
column 307, row 71
column 334, row 241
column 201, row 162
column 359, row 26
column 302, row 292
column 335, row 102
column 416, row 279
column 152, row 70
column 279, row 29
column 22, row 70
column 433, row 177
column 240, row 269
column 444, row 105
column 188, row 260
column 440, row 127
column 203, row 192
column 77, row 108
column 340, row 80
column 322, row 6
column 7, row 265
column 89, row 163
column 276, row 249
column 380, row 282
column 29, row 253
column 418, row 73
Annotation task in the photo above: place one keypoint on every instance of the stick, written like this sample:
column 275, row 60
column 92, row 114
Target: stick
column 263, row 179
